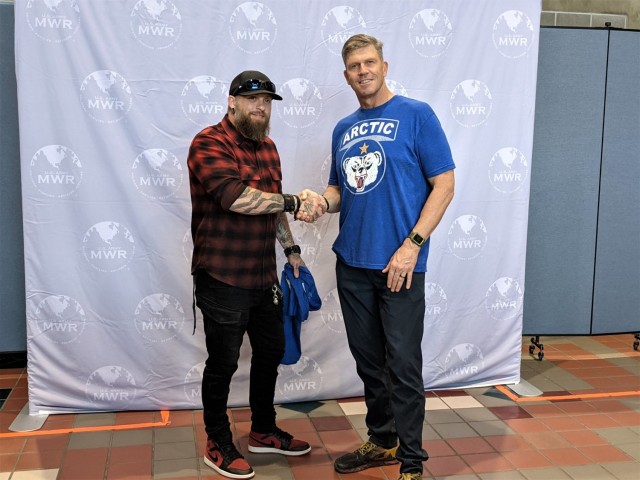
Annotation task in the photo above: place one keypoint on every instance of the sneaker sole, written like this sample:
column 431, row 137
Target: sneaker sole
column 381, row 463
column 224, row 473
column 289, row 453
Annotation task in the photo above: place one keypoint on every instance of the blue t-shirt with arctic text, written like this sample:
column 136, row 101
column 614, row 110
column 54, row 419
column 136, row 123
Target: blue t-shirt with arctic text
column 381, row 160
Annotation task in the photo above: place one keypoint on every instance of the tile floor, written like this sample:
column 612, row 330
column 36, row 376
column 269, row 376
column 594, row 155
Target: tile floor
column 585, row 426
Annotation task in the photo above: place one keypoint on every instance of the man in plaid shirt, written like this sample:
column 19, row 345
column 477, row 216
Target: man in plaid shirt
column 238, row 211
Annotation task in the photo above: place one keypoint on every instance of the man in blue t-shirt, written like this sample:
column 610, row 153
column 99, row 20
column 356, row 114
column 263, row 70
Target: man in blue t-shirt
column 391, row 180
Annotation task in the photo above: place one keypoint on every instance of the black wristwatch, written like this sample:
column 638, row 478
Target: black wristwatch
column 292, row 249
column 417, row 238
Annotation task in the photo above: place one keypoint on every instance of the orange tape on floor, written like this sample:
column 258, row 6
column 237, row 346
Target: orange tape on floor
column 568, row 396
column 133, row 426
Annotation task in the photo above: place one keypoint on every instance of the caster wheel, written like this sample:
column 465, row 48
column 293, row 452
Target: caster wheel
column 540, row 356
column 531, row 348
column 636, row 344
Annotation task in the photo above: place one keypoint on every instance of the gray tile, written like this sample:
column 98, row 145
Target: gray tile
column 623, row 470
column 476, row 414
column 330, row 408
column 618, row 435
column 171, row 435
column 547, row 19
column 80, row 440
column 455, row 430
column 550, row 473
column 428, row 433
column 491, row 427
column 184, row 467
column 588, row 472
column 512, row 475
column 434, row 417
column 617, row 21
column 357, row 421
column 631, row 449
column 125, row 438
column 172, row 451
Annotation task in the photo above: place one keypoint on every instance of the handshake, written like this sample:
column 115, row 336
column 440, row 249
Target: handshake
column 312, row 206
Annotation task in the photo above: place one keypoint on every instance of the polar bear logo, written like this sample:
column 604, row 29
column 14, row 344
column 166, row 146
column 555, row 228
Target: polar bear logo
column 362, row 170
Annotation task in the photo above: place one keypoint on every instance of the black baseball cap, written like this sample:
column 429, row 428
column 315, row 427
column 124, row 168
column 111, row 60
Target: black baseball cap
column 251, row 82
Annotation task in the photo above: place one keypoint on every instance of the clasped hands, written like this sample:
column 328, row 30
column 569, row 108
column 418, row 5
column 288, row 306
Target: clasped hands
column 313, row 206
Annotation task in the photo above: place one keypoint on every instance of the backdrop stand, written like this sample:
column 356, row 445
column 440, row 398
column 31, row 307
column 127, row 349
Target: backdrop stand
column 27, row 423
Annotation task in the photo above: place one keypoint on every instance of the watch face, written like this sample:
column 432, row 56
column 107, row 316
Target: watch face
column 417, row 238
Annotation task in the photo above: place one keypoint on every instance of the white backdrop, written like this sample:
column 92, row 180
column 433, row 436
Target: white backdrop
column 111, row 94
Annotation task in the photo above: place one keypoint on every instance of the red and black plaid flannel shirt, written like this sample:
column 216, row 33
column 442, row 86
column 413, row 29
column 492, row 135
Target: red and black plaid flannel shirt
column 233, row 248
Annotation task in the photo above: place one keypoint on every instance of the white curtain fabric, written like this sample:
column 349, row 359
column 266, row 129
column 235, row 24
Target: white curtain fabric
column 111, row 94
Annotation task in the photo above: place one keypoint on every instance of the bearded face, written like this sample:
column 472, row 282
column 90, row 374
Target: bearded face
column 251, row 115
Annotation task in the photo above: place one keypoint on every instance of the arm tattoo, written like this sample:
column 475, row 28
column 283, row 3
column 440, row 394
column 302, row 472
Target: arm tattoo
column 283, row 232
column 255, row 202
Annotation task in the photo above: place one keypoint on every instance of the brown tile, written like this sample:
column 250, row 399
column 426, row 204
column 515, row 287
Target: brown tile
column 546, row 410
column 130, row 471
column 583, row 438
column 437, row 448
column 487, row 462
column 566, row 456
column 604, row 454
column 509, row 412
column 130, row 418
column 546, row 440
column 12, row 445
column 526, row 425
column 597, row 421
column 47, row 443
column 132, row 454
column 470, row 445
column 565, row 423
column 314, row 472
column 576, row 407
column 241, row 414
column 181, row 418
column 296, row 425
column 8, row 462
column 324, row 424
column 526, row 459
column 447, row 466
column 626, row 419
column 40, row 460
column 506, row 443
column 338, row 442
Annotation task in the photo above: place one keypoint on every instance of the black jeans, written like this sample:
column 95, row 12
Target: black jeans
column 228, row 313
column 384, row 331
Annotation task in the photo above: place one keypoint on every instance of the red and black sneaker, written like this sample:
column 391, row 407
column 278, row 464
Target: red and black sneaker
column 277, row 441
column 227, row 460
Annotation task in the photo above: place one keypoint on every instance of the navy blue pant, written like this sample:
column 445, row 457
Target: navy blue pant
column 228, row 313
column 384, row 331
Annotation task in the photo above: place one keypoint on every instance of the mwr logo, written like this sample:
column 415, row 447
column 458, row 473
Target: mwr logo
column 156, row 24
column 111, row 388
column 203, row 98
column 471, row 103
column 159, row 317
column 108, row 246
column 253, row 27
column 157, row 173
column 304, row 379
column 106, row 96
column 193, row 384
column 503, row 300
column 338, row 25
column 430, row 32
column 508, row 170
column 513, row 34
column 302, row 103
column 467, row 237
column 56, row 171
column 53, row 20
column 436, row 303
column 332, row 313
column 463, row 362
column 187, row 246
column 60, row 318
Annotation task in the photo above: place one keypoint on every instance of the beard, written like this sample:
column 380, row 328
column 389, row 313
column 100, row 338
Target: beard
column 249, row 128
